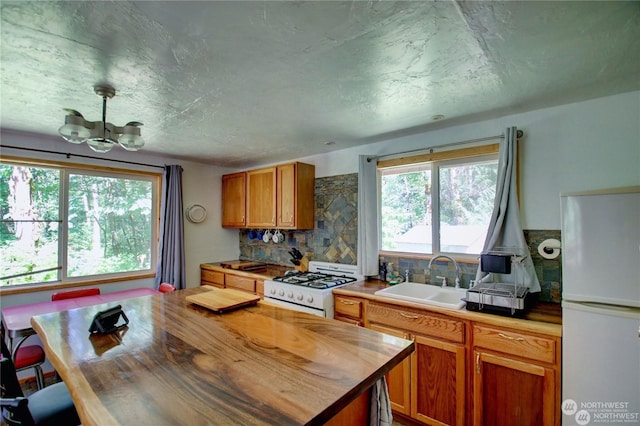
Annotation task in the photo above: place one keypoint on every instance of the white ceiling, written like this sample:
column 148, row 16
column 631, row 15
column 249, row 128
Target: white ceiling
column 241, row 83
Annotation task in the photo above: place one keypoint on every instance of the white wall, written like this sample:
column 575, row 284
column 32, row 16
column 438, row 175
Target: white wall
column 206, row 241
column 581, row 146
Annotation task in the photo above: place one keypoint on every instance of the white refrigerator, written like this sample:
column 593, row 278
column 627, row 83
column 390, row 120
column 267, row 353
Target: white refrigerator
column 601, row 307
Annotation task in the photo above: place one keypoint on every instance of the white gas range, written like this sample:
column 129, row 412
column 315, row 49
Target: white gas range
column 311, row 291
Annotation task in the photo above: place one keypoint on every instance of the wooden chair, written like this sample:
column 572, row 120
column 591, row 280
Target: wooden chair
column 50, row 406
column 166, row 288
column 70, row 294
column 25, row 357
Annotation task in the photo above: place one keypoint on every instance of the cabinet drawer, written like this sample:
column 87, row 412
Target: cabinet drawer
column 241, row 283
column 417, row 321
column 348, row 320
column 348, row 306
column 538, row 348
column 260, row 287
column 212, row 276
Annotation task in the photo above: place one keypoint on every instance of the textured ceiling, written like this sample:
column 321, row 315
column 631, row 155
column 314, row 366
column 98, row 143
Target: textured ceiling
column 243, row 83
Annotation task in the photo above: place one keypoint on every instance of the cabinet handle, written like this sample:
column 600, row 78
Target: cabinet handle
column 517, row 339
column 402, row 314
column 478, row 362
column 347, row 302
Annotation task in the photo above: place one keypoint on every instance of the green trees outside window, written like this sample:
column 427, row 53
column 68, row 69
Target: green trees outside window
column 437, row 207
column 60, row 223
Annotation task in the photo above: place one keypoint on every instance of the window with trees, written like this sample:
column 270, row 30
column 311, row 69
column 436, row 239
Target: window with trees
column 63, row 223
column 438, row 203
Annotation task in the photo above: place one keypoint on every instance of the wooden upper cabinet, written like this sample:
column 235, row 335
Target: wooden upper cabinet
column 273, row 197
column 261, row 198
column 233, row 200
column 295, row 196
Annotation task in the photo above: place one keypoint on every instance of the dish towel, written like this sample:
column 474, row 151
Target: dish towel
column 380, row 410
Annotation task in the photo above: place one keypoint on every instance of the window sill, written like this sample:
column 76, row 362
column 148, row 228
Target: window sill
column 26, row 288
column 461, row 258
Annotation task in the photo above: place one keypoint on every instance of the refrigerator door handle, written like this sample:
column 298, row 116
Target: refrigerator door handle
column 603, row 309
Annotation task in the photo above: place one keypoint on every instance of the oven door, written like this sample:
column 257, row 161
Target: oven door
column 295, row 307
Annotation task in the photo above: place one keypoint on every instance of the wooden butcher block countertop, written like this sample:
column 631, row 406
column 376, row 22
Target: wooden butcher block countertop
column 179, row 363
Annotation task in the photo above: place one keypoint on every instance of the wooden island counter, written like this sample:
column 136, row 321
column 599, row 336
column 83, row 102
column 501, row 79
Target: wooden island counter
column 177, row 363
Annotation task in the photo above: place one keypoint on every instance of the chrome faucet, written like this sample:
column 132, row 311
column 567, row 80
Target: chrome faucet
column 455, row 265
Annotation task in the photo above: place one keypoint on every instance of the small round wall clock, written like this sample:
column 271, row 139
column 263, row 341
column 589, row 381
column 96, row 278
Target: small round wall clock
column 196, row 213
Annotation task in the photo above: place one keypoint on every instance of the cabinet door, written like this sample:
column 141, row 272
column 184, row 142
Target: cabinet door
column 233, row 199
column 286, row 195
column 438, row 382
column 398, row 379
column 509, row 391
column 261, row 198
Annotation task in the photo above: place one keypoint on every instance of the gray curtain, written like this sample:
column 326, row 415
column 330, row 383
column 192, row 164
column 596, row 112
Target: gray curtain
column 171, row 242
column 367, row 217
column 505, row 231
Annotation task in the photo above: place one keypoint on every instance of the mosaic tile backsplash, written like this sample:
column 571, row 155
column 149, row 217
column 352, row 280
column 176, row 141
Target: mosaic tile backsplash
column 334, row 239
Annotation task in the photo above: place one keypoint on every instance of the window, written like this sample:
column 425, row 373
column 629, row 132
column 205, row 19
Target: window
column 62, row 223
column 438, row 203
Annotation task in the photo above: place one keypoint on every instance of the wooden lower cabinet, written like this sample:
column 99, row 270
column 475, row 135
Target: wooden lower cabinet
column 213, row 278
column 516, row 378
column 438, row 382
column 348, row 309
column 464, row 371
column 398, row 379
column 229, row 280
column 429, row 386
column 240, row 283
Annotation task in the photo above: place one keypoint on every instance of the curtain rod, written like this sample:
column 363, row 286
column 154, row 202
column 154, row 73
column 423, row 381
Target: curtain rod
column 519, row 134
column 69, row 155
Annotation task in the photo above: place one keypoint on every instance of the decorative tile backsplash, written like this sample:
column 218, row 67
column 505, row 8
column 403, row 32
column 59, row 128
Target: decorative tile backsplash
column 334, row 239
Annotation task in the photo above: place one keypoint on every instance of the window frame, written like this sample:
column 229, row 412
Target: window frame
column 435, row 160
column 66, row 169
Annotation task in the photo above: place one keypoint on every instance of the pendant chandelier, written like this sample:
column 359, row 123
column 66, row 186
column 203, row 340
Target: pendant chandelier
column 100, row 135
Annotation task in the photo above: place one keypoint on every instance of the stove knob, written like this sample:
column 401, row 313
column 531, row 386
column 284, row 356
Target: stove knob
column 310, row 299
column 290, row 295
column 300, row 296
column 281, row 292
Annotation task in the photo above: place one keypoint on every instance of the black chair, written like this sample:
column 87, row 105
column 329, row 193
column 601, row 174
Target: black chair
column 49, row 406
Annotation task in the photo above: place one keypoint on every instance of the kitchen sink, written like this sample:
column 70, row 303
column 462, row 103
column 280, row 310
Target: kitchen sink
column 425, row 294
